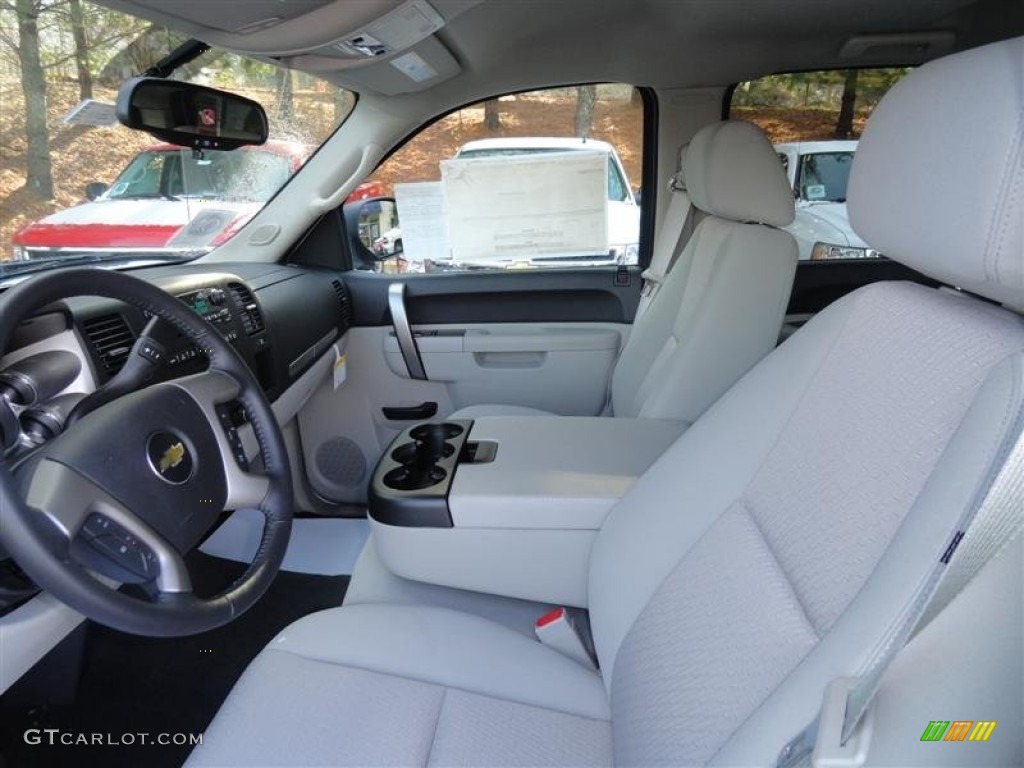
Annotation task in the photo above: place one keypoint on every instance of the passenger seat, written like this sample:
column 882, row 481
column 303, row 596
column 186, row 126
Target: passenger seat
column 721, row 306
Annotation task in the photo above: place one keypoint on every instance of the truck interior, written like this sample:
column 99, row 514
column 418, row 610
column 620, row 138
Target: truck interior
column 510, row 493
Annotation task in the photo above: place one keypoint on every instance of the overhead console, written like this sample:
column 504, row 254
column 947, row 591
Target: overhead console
column 388, row 46
column 507, row 505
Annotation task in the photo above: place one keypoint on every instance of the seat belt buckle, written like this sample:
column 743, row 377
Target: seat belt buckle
column 651, row 282
column 556, row 630
column 830, row 751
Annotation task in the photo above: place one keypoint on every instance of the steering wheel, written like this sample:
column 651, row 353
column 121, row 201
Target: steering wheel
column 130, row 488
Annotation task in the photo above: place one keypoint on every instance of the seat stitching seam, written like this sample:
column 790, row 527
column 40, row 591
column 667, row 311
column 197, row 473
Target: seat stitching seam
column 437, row 726
column 1005, row 203
column 747, row 508
column 399, row 676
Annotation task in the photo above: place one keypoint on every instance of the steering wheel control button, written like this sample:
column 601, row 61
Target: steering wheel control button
column 152, row 352
column 96, row 525
column 120, row 547
column 228, row 421
column 169, row 458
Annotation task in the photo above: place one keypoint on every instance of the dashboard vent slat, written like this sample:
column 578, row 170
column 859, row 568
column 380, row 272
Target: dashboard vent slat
column 344, row 302
column 111, row 339
column 247, row 308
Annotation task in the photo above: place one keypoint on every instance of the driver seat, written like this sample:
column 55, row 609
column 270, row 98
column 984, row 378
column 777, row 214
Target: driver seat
column 771, row 547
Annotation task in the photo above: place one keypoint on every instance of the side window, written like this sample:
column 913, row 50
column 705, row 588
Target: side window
column 815, row 120
column 617, row 190
column 543, row 179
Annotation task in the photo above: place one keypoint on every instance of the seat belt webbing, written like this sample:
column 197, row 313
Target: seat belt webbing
column 668, row 245
column 982, row 531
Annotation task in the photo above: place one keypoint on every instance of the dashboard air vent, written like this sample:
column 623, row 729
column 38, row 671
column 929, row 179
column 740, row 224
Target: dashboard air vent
column 248, row 310
column 111, row 339
column 344, row 302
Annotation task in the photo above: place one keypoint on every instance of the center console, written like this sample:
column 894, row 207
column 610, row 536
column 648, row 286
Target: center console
column 507, row 505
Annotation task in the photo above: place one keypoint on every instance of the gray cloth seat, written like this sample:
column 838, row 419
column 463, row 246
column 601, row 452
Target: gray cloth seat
column 770, row 548
column 454, row 689
column 721, row 306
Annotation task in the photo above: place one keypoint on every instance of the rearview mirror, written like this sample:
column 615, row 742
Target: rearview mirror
column 94, row 189
column 190, row 115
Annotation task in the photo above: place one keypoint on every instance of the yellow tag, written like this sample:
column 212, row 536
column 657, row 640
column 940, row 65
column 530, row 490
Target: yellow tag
column 340, row 369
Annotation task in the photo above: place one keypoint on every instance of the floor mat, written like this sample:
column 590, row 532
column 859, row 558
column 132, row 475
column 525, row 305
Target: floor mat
column 136, row 685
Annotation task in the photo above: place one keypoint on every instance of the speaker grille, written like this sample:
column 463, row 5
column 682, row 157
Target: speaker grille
column 341, row 461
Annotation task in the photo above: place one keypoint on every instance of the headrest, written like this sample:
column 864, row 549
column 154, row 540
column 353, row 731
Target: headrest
column 733, row 172
column 938, row 181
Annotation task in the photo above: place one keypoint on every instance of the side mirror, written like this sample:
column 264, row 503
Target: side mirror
column 374, row 222
column 190, row 115
column 638, row 195
column 94, row 189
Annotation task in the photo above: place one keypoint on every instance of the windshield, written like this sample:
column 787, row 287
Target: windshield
column 248, row 175
column 824, row 175
column 76, row 186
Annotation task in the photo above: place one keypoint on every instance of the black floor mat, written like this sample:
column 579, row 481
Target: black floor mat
column 133, row 685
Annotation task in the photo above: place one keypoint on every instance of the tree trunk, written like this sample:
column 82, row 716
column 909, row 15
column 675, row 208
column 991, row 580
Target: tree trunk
column 285, row 106
column 492, row 119
column 81, row 49
column 586, row 95
column 844, row 125
column 38, row 174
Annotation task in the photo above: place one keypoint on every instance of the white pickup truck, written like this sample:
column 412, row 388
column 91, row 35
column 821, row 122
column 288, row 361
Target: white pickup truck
column 818, row 172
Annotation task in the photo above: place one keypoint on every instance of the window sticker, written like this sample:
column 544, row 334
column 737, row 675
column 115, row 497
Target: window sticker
column 815, row 192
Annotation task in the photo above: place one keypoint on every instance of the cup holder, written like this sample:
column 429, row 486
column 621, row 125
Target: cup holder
column 409, row 453
column 431, row 432
column 407, row 478
column 420, row 459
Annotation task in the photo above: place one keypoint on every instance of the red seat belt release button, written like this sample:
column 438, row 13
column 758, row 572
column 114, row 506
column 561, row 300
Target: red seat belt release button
column 556, row 630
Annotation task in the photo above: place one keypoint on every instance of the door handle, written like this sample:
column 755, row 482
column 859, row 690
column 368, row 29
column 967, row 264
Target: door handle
column 403, row 332
column 419, row 412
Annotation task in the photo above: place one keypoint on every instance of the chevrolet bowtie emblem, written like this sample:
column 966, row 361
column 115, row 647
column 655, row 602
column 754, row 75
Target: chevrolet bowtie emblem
column 172, row 457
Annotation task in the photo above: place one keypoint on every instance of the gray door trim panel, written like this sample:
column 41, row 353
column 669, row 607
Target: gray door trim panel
column 546, row 295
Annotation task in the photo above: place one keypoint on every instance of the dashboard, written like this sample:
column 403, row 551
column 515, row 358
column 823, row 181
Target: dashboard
column 280, row 319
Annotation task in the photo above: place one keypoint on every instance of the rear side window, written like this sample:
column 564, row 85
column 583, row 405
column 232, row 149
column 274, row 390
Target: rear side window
column 537, row 180
column 815, row 120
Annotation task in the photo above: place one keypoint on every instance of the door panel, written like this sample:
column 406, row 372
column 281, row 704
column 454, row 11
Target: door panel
column 595, row 294
column 557, row 367
column 561, row 367
column 546, row 339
